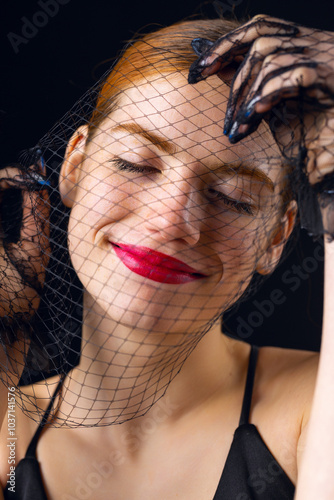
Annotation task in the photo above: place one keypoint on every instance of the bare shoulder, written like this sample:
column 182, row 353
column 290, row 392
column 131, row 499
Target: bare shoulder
column 289, row 373
column 286, row 361
column 282, row 362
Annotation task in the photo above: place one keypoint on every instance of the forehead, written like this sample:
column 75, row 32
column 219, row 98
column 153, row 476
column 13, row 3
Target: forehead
column 191, row 117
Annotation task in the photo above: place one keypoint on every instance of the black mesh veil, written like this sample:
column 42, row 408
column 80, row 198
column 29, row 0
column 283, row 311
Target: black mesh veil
column 146, row 212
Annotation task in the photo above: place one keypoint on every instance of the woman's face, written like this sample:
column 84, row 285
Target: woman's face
column 160, row 188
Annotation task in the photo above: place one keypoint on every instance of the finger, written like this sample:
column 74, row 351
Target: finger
column 14, row 177
column 319, row 144
column 275, row 83
column 281, row 86
column 35, row 216
column 201, row 45
column 24, row 215
column 10, row 177
column 320, row 164
column 237, row 42
column 31, row 246
column 247, row 73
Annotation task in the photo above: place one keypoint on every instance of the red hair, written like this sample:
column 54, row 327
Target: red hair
column 164, row 51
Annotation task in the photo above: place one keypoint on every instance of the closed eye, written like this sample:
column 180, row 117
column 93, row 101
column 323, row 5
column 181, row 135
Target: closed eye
column 241, row 207
column 128, row 166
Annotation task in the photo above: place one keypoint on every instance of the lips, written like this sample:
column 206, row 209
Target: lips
column 155, row 266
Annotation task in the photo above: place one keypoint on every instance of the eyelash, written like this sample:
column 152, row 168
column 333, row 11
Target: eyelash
column 239, row 206
column 127, row 166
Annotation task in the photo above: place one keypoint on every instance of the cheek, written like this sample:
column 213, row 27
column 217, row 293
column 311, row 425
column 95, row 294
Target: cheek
column 101, row 200
column 239, row 246
column 234, row 235
column 102, row 190
column 239, row 258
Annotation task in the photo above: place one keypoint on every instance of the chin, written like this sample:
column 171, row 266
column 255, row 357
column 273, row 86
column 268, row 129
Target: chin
column 150, row 317
column 153, row 307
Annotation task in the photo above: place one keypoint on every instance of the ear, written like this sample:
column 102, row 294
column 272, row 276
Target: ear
column 280, row 236
column 69, row 172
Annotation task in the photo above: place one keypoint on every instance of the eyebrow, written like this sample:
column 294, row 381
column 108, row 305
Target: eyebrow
column 247, row 171
column 169, row 148
column 153, row 138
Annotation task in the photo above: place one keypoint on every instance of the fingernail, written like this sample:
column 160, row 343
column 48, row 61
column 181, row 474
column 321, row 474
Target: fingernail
column 245, row 114
column 39, row 179
column 234, row 131
column 201, row 45
column 43, row 163
column 227, row 127
column 228, row 120
column 238, row 132
column 194, row 77
column 195, row 74
column 37, row 158
column 248, row 111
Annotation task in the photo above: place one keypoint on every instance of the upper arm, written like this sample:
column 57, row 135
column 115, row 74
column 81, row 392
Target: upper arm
column 309, row 374
column 301, row 445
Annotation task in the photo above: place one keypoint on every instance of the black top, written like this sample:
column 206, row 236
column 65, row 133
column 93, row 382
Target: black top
column 251, row 472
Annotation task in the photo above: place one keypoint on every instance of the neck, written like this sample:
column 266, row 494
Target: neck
column 123, row 371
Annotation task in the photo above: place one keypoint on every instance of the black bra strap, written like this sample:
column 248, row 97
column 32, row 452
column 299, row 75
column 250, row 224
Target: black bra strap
column 246, row 404
column 31, row 451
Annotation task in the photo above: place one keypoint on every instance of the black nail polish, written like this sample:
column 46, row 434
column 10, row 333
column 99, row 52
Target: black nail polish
column 227, row 127
column 195, row 73
column 36, row 178
column 32, row 181
column 235, row 136
column 234, row 131
column 228, row 120
column 245, row 116
column 248, row 111
column 201, row 45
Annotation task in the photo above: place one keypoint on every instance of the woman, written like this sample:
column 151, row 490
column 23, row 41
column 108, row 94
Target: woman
column 168, row 224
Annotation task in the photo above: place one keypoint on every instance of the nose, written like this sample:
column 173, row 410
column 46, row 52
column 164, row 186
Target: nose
column 175, row 215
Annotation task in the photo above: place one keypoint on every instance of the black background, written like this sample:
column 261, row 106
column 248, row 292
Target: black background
column 43, row 78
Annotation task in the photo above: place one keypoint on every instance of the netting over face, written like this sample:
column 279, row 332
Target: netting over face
column 147, row 225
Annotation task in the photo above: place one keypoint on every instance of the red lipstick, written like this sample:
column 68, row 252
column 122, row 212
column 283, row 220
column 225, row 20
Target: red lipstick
column 154, row 265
